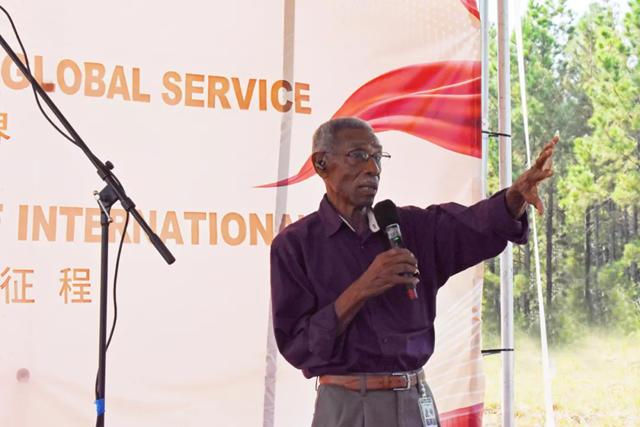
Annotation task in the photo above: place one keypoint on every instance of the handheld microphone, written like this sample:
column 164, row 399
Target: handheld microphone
column 386, row 214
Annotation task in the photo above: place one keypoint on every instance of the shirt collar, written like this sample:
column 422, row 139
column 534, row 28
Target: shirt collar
column 373, row 224
column 332, row 219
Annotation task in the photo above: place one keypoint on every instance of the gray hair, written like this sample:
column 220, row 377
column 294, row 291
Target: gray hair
column 324, row 138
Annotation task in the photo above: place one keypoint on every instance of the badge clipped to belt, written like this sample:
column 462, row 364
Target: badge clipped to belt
column 427, row 407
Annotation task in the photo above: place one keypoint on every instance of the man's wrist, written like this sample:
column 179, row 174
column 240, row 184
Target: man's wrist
column 358, row 291
column 348, row 304
column 515, row 202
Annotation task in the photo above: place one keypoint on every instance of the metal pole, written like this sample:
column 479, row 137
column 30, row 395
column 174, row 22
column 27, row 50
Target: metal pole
column 506, row 259
column 284, row 154
column 484, row 20
column 102, row 338
column 546, row 374
column 106, row 198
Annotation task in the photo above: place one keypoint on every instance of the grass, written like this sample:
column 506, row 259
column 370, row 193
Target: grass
column 595, row 382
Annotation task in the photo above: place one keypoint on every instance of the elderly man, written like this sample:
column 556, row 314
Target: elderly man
column 340, row 310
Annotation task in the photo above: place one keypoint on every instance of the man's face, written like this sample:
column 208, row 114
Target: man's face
column 351, row 182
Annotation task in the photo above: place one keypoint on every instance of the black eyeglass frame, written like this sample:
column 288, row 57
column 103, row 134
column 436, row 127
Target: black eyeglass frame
column 359, row 156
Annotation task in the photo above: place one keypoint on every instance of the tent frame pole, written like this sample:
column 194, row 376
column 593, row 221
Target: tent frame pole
column 506, row 258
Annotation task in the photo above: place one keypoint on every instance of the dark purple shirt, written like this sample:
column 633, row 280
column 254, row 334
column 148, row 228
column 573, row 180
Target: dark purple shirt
column 316, row 258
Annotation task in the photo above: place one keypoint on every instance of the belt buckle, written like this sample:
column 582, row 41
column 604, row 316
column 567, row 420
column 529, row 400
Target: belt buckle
column 407, row 377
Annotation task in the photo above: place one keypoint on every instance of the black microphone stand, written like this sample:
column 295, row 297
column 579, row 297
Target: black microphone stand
column 112, row 192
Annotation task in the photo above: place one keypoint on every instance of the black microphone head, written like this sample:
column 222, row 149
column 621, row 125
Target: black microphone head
column 386, row 213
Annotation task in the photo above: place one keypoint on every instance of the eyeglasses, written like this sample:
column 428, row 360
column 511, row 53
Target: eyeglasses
column 357, row 157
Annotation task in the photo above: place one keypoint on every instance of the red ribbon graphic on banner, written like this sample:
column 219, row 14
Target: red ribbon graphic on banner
column 438, row 102
column 471, row 7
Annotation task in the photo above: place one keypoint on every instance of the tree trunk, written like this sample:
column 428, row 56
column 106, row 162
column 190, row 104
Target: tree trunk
column 635, row 274
column 612, row 225
column 596, row 237
column 625, row 239
column 587, row 264
column 549, row 245
column 625, row 227
column 492, row 265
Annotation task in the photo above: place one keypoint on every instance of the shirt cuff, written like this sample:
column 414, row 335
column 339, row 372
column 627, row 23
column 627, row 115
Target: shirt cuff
column 323, row 330
column 514, row 230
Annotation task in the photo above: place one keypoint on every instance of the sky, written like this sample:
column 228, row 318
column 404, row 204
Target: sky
column 578, row 6
column 581, row 6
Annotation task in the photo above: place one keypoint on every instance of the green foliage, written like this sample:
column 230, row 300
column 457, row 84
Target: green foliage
column 631, row 254
column 620, row 299
column 583, row 78
column 491, row 303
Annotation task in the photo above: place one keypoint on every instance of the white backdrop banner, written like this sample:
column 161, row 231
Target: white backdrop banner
column 207, row 108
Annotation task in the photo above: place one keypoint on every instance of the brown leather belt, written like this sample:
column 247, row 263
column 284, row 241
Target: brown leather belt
column 362, row 382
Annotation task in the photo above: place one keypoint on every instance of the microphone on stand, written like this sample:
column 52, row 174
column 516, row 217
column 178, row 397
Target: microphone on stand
column 387, row 217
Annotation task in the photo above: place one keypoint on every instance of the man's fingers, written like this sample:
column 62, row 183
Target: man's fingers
column 550, row 146
column 540, row 176
column 398, row 252
column 547, row 151
column 543, row 174
column 398, row 255
column 544, row 156
column 527, row 183
column 404, row 268
column 541, row 161
column 399, row 279
column 539, row 207
column 551, row 143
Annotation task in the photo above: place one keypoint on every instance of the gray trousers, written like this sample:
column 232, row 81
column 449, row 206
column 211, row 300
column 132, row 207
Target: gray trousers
column 338, row 407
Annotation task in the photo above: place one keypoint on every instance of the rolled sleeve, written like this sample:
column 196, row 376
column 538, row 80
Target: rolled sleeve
column 323, row 330
column 504, row 225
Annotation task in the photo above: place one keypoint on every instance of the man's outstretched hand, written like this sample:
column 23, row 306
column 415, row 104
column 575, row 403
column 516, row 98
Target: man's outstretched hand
column 525, row 189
